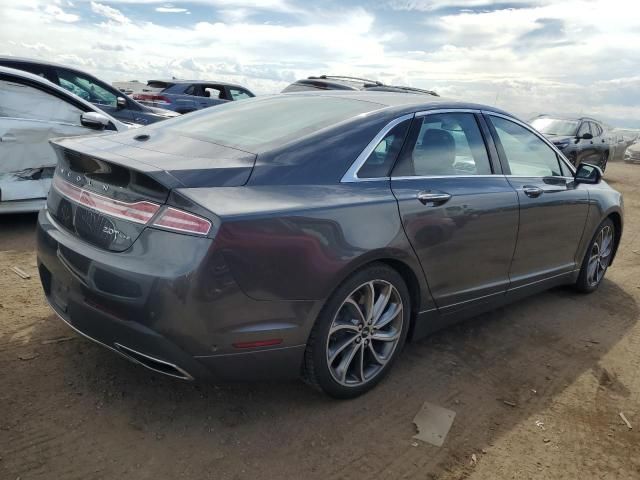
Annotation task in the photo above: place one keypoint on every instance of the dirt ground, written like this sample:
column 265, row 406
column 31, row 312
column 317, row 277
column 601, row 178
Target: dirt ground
column 69, row 409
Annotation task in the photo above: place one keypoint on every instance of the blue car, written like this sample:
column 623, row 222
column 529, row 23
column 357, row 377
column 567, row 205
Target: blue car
column 184, row 96
column 89, row 88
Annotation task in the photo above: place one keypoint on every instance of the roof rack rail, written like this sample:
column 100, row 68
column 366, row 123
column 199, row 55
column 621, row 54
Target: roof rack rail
column 338, row 77
column 414, row 89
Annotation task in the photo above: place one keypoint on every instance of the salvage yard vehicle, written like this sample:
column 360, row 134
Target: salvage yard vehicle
column 338, row 82
column 580, row 139
column 32, row 111
column 89, row 88
column 184, row 96
column 313, row 233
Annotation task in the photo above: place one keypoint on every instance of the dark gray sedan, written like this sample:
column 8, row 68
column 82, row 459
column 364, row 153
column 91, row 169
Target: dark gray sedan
column 312, row 234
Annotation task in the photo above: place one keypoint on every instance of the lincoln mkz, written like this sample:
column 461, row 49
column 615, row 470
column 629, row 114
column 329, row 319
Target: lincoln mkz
column 312, row 234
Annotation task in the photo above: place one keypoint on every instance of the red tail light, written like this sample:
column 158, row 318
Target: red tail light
column 180, row 221
column 138, row 212
column 152, row 97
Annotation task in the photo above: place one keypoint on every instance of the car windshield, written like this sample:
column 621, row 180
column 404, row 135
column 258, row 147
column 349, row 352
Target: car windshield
column 552, row 126
column 257, row 124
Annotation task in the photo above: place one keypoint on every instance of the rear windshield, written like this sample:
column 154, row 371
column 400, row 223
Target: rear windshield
column 258, row 124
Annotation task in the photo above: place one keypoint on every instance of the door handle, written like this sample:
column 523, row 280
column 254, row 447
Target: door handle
column 434, row 199
column 532, row 191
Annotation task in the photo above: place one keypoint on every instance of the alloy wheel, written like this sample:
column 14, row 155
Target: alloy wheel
column 600, row 255
column 365, row 332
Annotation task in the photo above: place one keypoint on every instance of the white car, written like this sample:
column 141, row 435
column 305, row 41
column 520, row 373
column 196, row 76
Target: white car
column 33, row 111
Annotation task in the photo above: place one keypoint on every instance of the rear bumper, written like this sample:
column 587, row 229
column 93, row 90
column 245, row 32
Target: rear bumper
column 180, row 318
column 22, row 206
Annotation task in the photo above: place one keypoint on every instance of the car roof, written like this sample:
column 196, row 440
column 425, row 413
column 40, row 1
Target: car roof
column 44, row 82
column 566, row 117
column 401, row 101
column 188, row 82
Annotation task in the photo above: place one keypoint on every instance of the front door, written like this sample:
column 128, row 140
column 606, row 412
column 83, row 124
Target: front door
column 459, row 213
column 553, row 208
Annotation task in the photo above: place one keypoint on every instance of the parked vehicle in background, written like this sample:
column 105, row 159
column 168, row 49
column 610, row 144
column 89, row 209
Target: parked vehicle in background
column 336, row 82
column 632, row 154
column 91, row 89
column 580, row 139
column 32, row 111
column 313, row 232
column 184, row 96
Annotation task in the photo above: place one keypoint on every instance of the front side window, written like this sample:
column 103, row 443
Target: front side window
column 595, row 129
column 381, row 159
column 238, row 94
column 86, row 88
column 526, row 154
column 445, row 144
column 584, row 128
column 26, row 102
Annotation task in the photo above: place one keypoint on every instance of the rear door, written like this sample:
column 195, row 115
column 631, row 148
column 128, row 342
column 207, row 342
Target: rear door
column 458, row 211
column 553, row 208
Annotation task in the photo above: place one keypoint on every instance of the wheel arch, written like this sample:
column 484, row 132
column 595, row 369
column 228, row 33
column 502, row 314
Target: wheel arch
column 616, row 218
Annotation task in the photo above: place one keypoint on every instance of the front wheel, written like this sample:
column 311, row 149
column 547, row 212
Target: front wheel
column 359, row 333
column 597, row 259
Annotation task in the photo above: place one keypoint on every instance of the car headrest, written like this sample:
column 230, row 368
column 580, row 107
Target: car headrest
column 436, row 154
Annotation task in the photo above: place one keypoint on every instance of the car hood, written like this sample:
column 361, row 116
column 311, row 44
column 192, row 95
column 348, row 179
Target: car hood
column 161, row 153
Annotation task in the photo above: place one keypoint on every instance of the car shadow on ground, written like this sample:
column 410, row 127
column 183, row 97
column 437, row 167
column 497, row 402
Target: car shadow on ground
column 494, row 371
column 16, row 231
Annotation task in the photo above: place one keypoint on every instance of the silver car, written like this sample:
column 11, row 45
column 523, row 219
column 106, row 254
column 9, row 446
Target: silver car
column 33, row 111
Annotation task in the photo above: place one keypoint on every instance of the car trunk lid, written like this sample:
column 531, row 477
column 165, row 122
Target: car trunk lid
column 106, row 190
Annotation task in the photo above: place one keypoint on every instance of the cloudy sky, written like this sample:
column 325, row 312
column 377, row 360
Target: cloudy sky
column 571, row 56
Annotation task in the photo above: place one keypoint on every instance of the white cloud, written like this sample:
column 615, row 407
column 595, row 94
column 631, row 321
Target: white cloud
column 57, row 13
column 113, row 14
column 574, row 56
column 171, row 9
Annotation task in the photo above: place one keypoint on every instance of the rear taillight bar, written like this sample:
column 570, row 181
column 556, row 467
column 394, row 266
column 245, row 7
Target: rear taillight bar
column 138, row 212
column 180, row 221
column 150, row 97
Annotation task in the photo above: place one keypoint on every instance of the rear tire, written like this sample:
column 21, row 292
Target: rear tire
column 604, row 160
column 359, row 333
column 597, row 258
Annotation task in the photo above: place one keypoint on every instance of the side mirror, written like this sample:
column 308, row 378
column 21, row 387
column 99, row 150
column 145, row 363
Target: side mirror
column 586, row 136
column 94, row 120
column 587, row 173
column 121, row 103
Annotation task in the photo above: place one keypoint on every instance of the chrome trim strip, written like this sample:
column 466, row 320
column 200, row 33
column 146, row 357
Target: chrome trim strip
column 122, row 354
column 184, row 376
column 352, row 174
column 537, row 134
column 571, row 272
column 424, row 113
column 429, row 177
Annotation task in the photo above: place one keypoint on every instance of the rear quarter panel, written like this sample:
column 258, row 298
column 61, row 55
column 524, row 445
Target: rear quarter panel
column 299, row 242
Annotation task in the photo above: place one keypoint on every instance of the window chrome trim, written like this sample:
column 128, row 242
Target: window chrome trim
column 429, row 177
column 352, row 174
column 424, row 113
column 537, row 134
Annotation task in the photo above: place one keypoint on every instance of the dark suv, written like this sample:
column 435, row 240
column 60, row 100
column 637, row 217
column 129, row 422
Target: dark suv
column 335, row 82
column 185, row 96
column 580, row 139
column 89, row 88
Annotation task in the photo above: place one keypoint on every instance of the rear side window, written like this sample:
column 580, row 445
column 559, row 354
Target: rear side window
column 238, row 94
column 260, row 123
column 26, row 102
column 526, row 154
column 381, row 159
column 445, row 144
